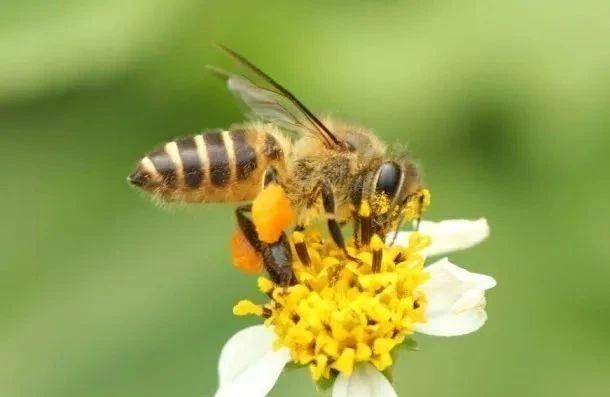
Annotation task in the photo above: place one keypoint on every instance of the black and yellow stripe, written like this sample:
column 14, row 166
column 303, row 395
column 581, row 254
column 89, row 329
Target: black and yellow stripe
column 218, row 157
column 207, row 163
column 191, row 162
column 246, row 159
column 163, row 165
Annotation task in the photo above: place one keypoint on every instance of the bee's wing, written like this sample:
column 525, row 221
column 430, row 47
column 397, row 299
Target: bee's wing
column 268, row 105
column 269, row 101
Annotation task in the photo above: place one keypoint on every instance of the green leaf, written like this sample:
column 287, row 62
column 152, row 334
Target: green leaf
column 291, row 366
column 323, row 385
column 410, row 344
column 389, row 374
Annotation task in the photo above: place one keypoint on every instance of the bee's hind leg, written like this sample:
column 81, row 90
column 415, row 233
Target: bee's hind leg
column 277, row 256
column 271, row 176
column 247, row 227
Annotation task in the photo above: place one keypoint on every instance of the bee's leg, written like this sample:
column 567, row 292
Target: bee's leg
column 397, row 229
column 366, row 225
column 356, row 194
column 247, row 227
column 363, row 225
column 270, row 176
column 277, row 256
column 356, row 231
column 277, row 259
column 328, row 202
column 417, row 220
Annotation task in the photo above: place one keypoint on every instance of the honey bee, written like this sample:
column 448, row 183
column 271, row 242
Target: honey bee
column 329, row 169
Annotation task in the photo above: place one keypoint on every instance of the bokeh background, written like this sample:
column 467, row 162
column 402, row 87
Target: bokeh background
column 506, row 104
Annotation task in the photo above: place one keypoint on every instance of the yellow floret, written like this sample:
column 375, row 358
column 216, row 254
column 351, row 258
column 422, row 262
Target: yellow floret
column 265, row 285
column 345, row 362
column 341, row 313
column 245, row 307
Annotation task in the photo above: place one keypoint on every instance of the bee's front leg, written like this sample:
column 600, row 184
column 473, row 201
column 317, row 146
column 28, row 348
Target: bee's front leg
column 334, row 228
column 277, row 256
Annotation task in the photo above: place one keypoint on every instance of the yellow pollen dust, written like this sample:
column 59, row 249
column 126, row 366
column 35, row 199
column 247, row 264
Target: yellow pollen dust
column 380, row 203
column 417, row 204
column 340, row 312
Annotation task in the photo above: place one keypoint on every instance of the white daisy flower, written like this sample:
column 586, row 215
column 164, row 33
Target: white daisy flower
column 343, row 319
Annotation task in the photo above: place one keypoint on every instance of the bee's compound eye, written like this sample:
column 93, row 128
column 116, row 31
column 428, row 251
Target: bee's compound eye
column 389, row 177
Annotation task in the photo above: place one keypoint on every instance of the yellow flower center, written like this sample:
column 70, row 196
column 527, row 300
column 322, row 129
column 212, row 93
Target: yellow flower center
column 341, row 311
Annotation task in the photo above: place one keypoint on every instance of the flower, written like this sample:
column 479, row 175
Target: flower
column 343, row 319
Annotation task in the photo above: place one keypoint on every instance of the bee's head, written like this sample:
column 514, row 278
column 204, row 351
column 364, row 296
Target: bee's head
column 394, row 194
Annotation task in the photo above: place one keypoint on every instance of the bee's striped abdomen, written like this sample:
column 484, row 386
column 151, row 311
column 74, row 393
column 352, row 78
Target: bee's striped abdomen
column 211, row 167
column 218, row 157
column 192, row 167
column 164, row 166
column 245, row 156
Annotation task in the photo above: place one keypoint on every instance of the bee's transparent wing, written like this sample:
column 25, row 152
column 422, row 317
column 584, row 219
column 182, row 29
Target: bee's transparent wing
column 269, row 101
column 269, row 106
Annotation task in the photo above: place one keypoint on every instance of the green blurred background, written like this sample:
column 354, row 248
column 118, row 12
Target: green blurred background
column 506, row 104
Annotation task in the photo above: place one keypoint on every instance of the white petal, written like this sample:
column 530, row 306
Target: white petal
column 456, row 300
column 366, row 381
column 248, row 365
column 447, row 236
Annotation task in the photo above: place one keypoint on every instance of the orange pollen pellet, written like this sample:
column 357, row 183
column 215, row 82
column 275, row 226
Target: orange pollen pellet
column 245, row 257
column 272, row 213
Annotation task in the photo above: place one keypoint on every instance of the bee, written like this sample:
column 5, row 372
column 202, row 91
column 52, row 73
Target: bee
column 329, row 169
